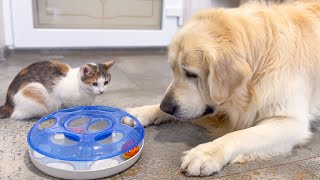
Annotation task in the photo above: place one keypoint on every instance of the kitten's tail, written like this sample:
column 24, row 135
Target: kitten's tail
column 7, row 109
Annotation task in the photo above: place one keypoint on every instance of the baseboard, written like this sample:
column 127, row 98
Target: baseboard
column 3, row 53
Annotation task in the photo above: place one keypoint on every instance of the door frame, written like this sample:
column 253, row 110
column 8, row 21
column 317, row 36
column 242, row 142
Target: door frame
column 24, row 35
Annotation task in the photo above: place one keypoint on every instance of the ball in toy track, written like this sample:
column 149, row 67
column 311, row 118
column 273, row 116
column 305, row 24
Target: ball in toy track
column 131, row 153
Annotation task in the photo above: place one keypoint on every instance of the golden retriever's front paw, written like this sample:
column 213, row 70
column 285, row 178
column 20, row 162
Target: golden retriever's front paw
column 144, row 117
column 202, row 162
column 148, row 115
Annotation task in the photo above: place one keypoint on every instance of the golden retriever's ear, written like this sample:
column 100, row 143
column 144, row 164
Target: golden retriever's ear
column 225, row 76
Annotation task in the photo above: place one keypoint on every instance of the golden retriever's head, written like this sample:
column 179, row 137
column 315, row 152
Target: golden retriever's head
column 208, row 70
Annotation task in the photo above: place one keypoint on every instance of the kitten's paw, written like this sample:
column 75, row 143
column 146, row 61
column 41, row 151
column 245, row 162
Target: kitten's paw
column 203, row 160
column 148, row 115
column 18, row 115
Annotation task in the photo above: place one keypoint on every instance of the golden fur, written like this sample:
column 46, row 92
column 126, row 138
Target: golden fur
column 258, row 66
column 267, row 39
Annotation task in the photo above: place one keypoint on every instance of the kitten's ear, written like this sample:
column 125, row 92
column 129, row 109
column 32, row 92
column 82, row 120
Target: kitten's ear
column 86, row 71
column 109, row 64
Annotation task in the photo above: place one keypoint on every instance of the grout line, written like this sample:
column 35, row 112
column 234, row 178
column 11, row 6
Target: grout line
column 239, row 173
column 281, row 164
column 305, row 168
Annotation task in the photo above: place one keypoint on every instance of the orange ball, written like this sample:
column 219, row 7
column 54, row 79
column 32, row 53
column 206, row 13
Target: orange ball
column 131, row 153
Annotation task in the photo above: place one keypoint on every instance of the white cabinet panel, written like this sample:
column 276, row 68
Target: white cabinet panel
column 98, row 14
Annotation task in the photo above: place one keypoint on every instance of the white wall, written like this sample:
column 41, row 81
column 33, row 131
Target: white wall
column 2, row 41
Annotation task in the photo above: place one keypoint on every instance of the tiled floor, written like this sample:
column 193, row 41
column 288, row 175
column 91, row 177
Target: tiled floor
column 140, row 78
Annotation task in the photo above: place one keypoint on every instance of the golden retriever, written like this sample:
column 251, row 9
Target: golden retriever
column 254, row 71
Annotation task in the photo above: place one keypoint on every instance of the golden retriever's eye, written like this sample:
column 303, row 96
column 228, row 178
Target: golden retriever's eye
column 191, row 75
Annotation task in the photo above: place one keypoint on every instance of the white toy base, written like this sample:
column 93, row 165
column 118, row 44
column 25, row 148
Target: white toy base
column 80, row 169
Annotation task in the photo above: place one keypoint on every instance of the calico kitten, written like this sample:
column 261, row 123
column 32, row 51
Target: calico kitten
column 46, row 86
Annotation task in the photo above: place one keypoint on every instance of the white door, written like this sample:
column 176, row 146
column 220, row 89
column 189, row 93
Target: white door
column 94, row 23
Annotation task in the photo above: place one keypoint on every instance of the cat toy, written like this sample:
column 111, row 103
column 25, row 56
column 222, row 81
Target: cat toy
column 85, row 142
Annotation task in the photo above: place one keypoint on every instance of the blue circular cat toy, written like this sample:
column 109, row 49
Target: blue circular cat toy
column 85, row 142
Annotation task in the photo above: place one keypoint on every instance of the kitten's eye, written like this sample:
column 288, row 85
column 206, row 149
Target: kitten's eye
column 191, row 75
column 95, row 84
column 107, row 82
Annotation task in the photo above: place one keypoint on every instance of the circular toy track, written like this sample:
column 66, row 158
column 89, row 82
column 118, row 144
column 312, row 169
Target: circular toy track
column 85, row 133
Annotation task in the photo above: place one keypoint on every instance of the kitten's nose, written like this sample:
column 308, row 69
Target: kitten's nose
column 101, row 92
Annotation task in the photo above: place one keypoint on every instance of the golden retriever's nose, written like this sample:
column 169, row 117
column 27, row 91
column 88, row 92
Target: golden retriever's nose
column 208, row 110
column 167, row 106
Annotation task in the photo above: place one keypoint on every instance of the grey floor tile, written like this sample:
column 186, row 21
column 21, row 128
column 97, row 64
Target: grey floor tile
column 139, row 80
column 314, row 144
column 282, row 172
column 119, row 81
column 312, row 165
column 299, row 153
column 148, row 72
column 129, row 98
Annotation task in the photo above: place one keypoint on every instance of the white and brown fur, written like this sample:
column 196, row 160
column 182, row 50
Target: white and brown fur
column 47, row 86
column 258, row 68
